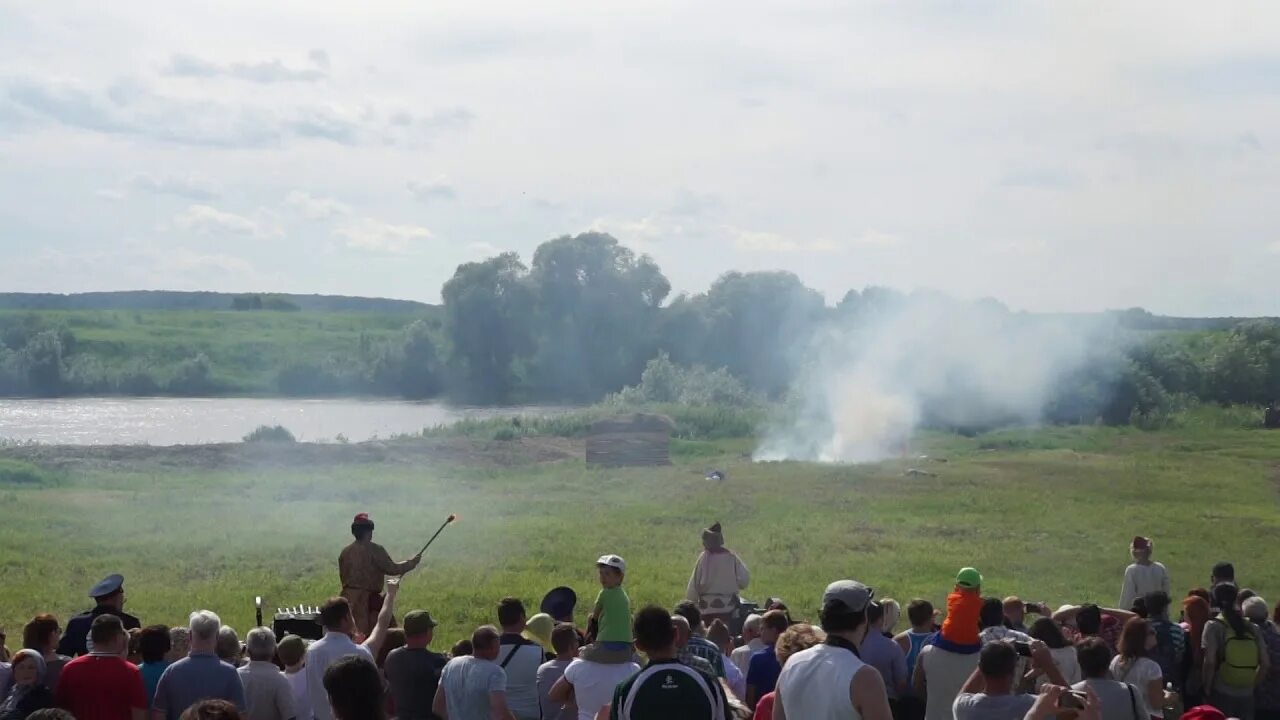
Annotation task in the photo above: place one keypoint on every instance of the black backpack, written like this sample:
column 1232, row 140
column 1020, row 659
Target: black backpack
column 1166, row 656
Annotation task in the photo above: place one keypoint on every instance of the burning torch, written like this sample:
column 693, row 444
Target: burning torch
column 447, row 522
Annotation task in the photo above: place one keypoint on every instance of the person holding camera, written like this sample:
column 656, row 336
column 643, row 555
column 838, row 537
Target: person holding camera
column 991, row 691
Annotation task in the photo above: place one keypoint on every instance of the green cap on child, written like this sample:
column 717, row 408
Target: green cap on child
column 969, row 578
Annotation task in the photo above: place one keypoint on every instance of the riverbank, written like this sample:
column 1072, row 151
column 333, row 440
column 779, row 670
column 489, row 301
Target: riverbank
column 190, row 421
column 243, row 456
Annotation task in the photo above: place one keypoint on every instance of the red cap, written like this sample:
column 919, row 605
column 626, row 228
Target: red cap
column 362, row 519
column 1203, row 712
column 1141, row 543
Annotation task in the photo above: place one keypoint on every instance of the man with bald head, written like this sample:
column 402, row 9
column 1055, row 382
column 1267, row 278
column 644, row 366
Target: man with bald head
column 474, row 687
column 683, row 654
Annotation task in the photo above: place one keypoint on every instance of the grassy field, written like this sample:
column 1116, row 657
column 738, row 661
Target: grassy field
column 246, row 349
column 1044, row 514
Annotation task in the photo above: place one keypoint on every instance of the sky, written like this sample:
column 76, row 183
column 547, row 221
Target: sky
column 1056, row 156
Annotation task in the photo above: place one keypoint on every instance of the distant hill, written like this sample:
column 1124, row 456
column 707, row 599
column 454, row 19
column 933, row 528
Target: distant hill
column 170, row 300
column 1139, row 319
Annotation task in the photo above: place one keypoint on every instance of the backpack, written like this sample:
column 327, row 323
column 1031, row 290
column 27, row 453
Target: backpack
column 1238, row 667
column 1168, row 655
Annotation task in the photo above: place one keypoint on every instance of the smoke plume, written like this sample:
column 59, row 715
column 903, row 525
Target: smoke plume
column 879, row 374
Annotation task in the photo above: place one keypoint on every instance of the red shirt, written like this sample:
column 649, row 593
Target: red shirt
column 764, row 708
column 101, row 687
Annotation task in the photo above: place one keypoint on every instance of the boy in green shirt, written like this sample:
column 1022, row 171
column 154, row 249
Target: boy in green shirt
column 611, row 615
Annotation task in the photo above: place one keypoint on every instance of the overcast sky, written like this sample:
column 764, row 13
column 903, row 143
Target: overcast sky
column 1057, row 156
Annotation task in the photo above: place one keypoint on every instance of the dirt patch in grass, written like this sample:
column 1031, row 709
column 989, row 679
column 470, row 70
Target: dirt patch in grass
column 427, row 451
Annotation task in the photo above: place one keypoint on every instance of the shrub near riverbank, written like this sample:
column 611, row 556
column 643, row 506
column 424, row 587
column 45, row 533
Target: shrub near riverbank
column 16, row 472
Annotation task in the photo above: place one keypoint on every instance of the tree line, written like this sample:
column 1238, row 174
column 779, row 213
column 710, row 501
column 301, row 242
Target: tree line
column 586, row 316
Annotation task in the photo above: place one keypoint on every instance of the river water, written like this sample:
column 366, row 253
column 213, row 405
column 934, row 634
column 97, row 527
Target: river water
column 191, row 421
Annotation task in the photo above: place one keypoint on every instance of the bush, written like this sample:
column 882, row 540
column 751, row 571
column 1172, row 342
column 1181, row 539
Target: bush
column 666, row 382
column 15, row 472
column 269, row 434
column 193, row 377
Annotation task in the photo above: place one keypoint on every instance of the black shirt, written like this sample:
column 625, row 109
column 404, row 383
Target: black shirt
column 414, row 676
column 74, row 639
column 669, row 689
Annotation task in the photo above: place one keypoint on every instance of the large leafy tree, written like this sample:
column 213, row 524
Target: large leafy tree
column 488, row 309
column 758, row 325
column 597, row 310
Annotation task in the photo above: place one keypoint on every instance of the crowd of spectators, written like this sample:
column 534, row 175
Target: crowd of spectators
column 983, row 658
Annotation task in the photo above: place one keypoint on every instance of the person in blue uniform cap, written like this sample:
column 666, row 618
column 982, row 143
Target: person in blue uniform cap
column 109, row 596
column 559, row 604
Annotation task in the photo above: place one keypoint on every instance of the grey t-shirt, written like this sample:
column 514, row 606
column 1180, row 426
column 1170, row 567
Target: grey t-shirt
column 199, row 676
column 1118, row 701
column 414, row 675
column 468, row 681
column 980, row 706
column 548, row 674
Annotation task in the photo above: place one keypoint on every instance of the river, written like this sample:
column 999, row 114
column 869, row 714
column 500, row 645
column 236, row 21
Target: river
column 193, row 421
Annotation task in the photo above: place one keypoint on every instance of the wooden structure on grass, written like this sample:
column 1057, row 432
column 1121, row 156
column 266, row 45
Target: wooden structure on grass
column 635, row 440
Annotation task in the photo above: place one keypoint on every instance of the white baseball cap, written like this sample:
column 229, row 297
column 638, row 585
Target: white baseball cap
column 614, row 562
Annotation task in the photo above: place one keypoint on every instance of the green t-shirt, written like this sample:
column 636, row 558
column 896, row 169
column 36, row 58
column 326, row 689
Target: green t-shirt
column 615, row 615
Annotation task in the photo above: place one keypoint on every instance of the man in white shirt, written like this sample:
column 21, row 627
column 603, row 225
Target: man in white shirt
column 292, row 651
column 830, row 680
column 751, row 644
column 339, row 626
column 519, row 659
column 266, row 691
column 591, row 684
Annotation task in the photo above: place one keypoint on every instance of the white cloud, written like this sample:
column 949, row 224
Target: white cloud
column 267, row 71
column 427, row 192
column 771, row 242
column 1134, row 146
column 875, row 238
column 192, row 187
column 208, row 220
column 382, row 237
column 484, row 249
column 644, row 231
column 756, row 241
column 184, row 261
column 134, row 109
column 316, row 208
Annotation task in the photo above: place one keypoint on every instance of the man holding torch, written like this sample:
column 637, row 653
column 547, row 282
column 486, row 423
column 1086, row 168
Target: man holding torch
column 362, row 568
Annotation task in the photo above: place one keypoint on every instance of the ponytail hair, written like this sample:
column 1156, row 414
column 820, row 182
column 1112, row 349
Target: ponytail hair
column 1224, row 596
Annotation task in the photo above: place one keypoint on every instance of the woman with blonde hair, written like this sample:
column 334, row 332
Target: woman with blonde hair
column 800, row 636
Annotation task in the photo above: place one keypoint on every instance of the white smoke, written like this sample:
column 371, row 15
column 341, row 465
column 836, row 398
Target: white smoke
column 872, row 379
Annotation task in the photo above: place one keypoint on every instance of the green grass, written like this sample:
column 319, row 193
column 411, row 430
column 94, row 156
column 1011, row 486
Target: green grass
column 246, row 349
column 693, row 422
column 1044, row 514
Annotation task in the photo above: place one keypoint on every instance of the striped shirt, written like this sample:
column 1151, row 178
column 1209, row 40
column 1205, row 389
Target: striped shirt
column 668, row 689
column 701, row 647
